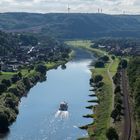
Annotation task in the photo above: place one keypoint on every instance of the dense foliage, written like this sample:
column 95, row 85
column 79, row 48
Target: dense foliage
column 134, row 79
column 73, row 25
column 112, row 134
column 9, row 42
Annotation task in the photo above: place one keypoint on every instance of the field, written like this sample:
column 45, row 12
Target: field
column 113, row 68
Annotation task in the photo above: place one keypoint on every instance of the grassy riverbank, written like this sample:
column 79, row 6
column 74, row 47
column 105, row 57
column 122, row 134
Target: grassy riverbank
column 102, row 112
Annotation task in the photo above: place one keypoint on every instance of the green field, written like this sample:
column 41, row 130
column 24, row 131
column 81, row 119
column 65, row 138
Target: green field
column 6, row 75
column 114, row 66
column 85, row 44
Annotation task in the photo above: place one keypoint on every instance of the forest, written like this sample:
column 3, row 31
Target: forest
column 134, row 80
column 72, row 25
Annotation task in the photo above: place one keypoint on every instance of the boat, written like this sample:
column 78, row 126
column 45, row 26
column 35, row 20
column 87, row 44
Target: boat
column 63, row 106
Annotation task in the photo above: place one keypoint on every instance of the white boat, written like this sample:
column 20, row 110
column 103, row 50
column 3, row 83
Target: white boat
column 63, row 106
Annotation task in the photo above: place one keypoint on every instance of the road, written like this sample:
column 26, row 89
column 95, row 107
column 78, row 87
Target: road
column 126, row 135
column 113, row 87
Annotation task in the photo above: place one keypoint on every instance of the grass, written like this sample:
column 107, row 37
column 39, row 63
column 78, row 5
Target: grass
column 6, row 75
column 79, row 43
column 114, row 66
column 102, row 119
column 103, row 110
column 85, row 44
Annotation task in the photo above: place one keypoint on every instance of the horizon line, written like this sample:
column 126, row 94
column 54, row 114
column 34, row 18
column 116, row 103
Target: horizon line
column 127, row 14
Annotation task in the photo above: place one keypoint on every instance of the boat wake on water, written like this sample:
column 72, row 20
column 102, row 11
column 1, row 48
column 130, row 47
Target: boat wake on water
column 63, row 111
column 62, row 114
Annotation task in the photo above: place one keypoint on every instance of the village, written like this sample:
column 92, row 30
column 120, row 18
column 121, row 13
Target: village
column 119, row 50
column 30, row 55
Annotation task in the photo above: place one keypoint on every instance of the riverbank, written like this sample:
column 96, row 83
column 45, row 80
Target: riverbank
column 102, row 111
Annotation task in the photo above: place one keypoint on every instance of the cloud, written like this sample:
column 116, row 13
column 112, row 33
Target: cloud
column 46, row 6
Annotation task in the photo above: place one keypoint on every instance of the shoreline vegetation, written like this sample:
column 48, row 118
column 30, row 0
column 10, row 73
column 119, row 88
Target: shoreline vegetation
column 24, row 80
column 104, row 92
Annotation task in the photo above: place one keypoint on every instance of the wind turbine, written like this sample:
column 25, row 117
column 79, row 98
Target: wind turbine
column 68, row 8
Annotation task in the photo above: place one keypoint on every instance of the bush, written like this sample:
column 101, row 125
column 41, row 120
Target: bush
column 6, row 82
column 15, row 91
column 27, row 82
column 41, row 68
column 104, row 58
column 4, row 123
column 113, row 57
column 11, row 101
column 91, row 81
column 111, row 134
column 20, row 75
column 3, row 88
column 123, row 63
column 114, row 114
column 98, row 78
column 15, row 78
column 99, row 64
column 100, row 84
column 117, row 89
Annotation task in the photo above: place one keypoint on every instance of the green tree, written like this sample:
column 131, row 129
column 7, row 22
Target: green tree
column 99, row 64
column 104, row 58
column 41, row 68
column 3, row 121
column 19, row 74
column 3, row 88
column 15, row 78
column 98, row 78
column 111, row 134
column 6, row 82
column 124, row 63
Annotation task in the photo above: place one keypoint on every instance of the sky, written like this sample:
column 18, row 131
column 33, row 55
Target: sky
column 78, row 6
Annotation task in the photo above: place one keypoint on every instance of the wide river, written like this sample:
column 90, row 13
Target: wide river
column 39, row 118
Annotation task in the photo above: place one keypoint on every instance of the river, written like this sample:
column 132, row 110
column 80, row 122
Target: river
column 37, row 119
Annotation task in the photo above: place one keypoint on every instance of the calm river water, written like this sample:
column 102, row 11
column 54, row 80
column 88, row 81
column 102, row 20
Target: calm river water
column 37, row 112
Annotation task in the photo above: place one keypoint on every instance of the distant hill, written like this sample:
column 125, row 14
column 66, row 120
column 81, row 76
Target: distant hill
column 72, row 26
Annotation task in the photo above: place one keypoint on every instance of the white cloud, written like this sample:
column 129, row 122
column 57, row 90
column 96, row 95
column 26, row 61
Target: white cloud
column 45, row 6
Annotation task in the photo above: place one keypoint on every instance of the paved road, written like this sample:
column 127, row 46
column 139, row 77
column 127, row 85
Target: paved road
column 127, row 118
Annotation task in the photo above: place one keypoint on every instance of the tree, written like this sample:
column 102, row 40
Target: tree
column 20, row 74
column 111, row 134
column 3, row 121
column 98, row 78
column 100, row 84
column 113, row 57
column 27, row 82
column 114, row 114
column 11, row 100
column 41, row 68
column 3, row 88
column 99, row 64
column 91, row 81
column 124, row 63
column 15, row 78
column 117, row 89
column 6, row 82
column 104, row 58
column 63, row 67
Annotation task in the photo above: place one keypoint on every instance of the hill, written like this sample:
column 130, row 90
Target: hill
column 72, row 26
